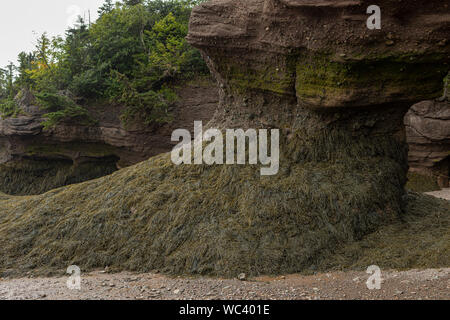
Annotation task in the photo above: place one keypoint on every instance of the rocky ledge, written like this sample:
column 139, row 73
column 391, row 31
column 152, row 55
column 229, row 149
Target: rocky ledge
column 34, row 160
column 428, row 132
column 25, row 137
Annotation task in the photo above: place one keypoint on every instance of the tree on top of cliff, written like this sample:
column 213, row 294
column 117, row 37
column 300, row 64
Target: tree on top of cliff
column 143, row 41
column 107, row 7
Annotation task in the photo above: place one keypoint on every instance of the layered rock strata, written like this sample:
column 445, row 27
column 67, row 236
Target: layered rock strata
column 428, row 134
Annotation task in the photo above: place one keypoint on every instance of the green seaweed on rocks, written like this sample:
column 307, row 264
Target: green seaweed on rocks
column 420, row 240
column 421, row 183
column 28, row 177
column 214, row 220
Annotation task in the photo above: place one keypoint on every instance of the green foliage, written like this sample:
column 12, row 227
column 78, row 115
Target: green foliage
column 88, row 84
column 7, row 86
column 62, row 109
column 170, row 56
column 151, row 54
column 25, row 63
column 107, row 7
column 116, row 37
column 9, row 108
column 142, row 41
column 148, row 107
column 54, row 102
column 8, row 89
column 76, row 113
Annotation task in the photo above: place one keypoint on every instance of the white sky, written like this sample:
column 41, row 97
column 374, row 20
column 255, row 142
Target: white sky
column 19, row 18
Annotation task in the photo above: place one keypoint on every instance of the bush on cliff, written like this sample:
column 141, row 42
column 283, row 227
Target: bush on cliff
column 8, row 108
column 143, row 41
column 61, row 108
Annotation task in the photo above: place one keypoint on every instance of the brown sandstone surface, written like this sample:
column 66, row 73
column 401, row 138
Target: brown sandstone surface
column 24, row 137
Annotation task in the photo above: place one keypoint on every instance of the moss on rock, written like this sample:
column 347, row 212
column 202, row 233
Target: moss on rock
column 214, row 220
column 421, row 183
column 419, row 240
column 28, row 177
column 68, row 149
column 324, row 81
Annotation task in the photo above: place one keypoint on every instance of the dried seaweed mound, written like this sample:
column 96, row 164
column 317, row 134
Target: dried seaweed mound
column 343, row 161
column 419, row 240
column 213, row 220
column 30, row 177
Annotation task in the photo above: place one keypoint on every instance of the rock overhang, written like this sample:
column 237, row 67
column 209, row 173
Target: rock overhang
column 322, row 51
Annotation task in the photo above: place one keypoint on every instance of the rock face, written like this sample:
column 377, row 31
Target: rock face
column 322, row 53
column 337, row 91
column 34, row 160
column 428, row 134
column 24, row 137
column 280, row 62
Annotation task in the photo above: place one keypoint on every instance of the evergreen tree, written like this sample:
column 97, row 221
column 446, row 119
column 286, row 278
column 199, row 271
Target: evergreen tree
column 107, row 7
column 132, row 55
column 132, row 2
column 26, row 61
column 3, row 82
column 10, row 68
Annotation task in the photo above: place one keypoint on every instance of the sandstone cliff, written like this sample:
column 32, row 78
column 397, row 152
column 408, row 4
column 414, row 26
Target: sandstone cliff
column 428, row 131
column 339, row 93
column 276, row 59
column 75, row 153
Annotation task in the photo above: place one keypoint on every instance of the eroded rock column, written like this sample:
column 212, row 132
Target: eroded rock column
column 315, row 70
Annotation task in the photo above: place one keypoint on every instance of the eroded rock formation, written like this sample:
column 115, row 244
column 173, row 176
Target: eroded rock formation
column 322, row 53
column 337, row 91
column 428, row 132
column 34, row 160
column 24, row 137
column 277, row 60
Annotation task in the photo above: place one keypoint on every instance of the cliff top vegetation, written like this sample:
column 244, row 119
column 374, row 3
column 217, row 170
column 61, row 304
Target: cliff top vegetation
column 131, row 55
